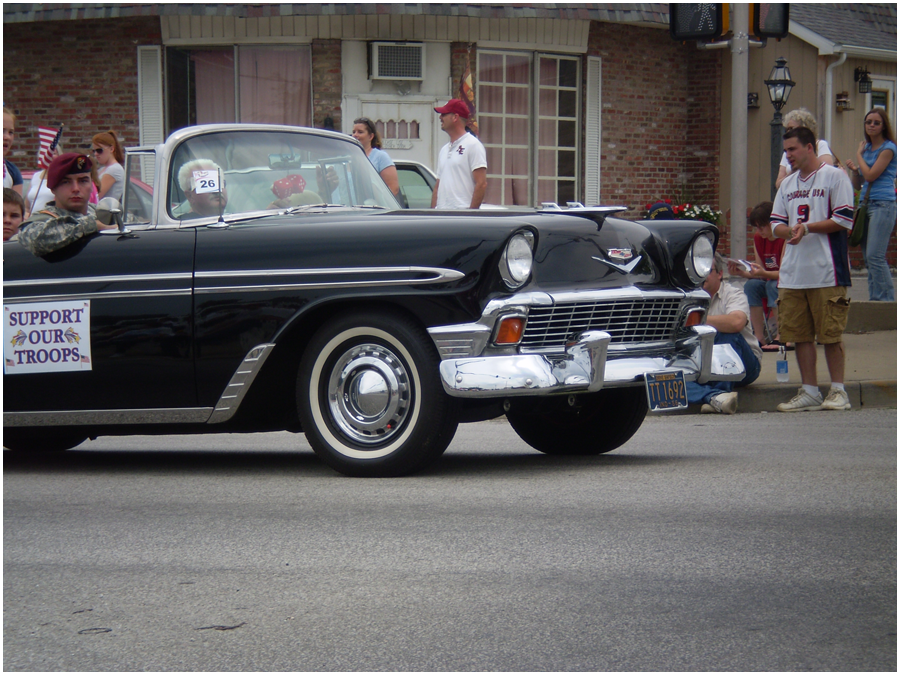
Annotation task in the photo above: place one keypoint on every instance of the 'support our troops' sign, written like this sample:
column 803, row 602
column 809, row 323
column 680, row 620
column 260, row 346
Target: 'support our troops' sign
column 44, row 337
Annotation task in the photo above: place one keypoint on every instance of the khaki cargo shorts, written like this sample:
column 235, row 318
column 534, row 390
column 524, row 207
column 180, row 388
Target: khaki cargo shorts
column 813, row 314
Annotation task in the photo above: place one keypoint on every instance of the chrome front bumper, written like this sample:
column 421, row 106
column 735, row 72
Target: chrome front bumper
column 471, row 368
column 587, row 366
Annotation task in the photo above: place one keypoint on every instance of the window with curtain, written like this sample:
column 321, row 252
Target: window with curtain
column 558, row 128
column 504, row 123
column 529, row 114
column 254, row 84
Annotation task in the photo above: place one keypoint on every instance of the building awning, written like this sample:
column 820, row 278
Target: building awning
column 647, row 14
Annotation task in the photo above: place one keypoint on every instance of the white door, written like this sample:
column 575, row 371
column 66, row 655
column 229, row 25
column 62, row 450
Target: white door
column 408, row 128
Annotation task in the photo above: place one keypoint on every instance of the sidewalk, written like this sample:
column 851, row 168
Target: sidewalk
column 870, row 375
column 870, row 372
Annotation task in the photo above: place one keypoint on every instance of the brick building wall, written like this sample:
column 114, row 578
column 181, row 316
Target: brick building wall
column 459, row 51
column 326, row 82
column 79, row 73
column 660, row 118
column 88, row 80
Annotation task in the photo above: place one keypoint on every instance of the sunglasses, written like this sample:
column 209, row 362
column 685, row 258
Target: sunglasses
column 97, row 151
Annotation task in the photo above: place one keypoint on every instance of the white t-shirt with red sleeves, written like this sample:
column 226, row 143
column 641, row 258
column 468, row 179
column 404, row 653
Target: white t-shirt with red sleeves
column 819, row 260
column 456, row 162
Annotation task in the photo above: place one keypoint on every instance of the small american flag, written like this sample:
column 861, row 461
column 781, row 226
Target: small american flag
column 49, row 138
column 85, row 359
column 9, row 362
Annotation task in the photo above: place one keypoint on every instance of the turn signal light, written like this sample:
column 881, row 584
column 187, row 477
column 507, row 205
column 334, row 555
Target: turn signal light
column 510, row 331
column 694, row 318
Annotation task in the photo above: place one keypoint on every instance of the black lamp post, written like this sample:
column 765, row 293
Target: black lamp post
column 779, row 85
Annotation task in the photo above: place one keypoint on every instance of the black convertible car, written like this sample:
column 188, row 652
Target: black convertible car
column 312, row 303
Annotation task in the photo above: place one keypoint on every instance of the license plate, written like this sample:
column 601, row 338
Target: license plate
column 666, row 390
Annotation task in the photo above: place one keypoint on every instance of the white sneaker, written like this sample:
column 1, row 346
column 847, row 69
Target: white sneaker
column 802, row 401
column 725, row 403
column 836, row 400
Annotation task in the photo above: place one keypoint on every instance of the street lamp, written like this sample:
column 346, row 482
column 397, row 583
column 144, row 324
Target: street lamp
column 779, row 85
column 861, row 75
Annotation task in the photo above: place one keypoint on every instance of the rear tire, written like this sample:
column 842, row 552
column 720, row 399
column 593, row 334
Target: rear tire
column 595, row 424
column 370, row 398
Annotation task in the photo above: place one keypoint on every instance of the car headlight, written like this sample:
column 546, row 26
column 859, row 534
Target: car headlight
column 517, row 260
column 699, row 260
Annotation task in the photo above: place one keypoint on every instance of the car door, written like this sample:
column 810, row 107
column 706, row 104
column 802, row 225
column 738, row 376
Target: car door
column 102, row 325
column 416, row 185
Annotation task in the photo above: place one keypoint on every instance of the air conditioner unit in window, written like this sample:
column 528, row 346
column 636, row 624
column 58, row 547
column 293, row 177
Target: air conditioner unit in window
column 397, row 61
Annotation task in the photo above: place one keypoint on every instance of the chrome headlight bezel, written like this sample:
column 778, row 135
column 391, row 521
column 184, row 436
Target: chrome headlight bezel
column 698, row 262
column 517, row 260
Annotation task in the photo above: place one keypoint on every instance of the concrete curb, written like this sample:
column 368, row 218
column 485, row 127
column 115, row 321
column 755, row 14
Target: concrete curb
column 765, row 398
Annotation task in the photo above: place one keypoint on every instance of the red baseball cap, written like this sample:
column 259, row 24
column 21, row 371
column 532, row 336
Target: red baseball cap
column 454, row 105
column 65, row 165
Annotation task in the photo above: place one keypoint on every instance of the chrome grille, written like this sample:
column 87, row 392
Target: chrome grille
column 627, row 321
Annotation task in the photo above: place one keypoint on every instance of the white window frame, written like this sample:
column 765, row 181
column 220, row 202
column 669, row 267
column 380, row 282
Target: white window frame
column 533, row 116
column 529, row 116
column 538, row 117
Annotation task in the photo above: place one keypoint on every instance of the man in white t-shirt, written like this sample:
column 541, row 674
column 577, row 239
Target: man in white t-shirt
column 813, row 210
column 462, row 163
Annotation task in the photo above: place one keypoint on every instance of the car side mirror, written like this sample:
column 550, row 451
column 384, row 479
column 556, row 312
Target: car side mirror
column 109, row 212
column 106, row 209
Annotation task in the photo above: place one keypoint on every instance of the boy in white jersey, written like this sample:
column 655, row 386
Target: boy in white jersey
column 813, row 210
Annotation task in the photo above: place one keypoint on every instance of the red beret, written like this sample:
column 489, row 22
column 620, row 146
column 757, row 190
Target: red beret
column 67, row 164
column 456, row 106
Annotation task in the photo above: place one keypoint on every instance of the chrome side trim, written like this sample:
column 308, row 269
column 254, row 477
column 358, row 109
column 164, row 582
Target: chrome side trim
column 100, row 295
column 110, row 295
column 443, row 272
column 240, row 382
column 438, row 275
column 114, row 278
column 57, row 418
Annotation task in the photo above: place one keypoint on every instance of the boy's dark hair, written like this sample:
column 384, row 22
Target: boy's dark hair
column 10, row 196
column 761, row 214
column 804, row 135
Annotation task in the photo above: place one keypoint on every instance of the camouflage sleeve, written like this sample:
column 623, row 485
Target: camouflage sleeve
column 46, row 232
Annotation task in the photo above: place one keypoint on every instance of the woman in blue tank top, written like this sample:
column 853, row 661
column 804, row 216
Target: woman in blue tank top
column 877, row 166
column 365, row 132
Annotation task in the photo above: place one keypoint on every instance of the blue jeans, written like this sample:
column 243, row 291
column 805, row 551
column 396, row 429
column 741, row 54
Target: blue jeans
column 757, row 289
column 882, row 220
column 701, row 393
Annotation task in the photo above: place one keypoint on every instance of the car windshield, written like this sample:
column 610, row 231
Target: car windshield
column 251, row 170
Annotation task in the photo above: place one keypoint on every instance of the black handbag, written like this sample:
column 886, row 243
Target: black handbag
column 860, row 220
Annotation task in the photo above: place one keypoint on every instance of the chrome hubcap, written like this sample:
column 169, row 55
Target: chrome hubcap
column 369, row 393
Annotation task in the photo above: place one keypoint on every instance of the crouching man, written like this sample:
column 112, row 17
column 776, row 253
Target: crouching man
column 729, row 314
column 70, row 216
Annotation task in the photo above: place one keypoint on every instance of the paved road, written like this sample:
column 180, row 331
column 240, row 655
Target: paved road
column 756, row 542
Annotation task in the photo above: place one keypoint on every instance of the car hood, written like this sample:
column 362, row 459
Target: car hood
column 578, row 249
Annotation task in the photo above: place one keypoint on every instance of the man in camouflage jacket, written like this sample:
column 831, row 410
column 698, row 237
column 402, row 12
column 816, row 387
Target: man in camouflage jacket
column 70, row 216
